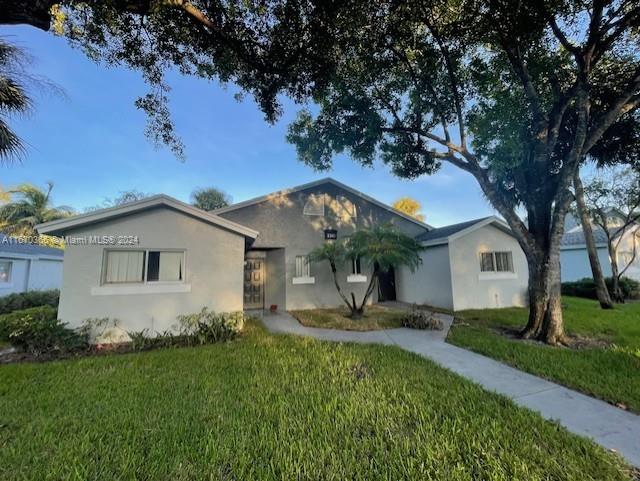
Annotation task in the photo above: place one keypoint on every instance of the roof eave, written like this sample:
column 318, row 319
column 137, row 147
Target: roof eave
column 61, row 226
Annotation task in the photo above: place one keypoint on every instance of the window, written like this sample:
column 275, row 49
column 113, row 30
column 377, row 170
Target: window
column 355, row 266
column 303, row 268
column 5, row 272
column 486, row 262
column 314, row 205
column 122, row 266
column 496, row 261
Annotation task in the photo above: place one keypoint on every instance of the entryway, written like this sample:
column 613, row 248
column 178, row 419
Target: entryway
column 254, row 272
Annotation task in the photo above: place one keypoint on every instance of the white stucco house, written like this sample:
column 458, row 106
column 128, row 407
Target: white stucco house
column 574, row 259
column 149, row 261
column 27, row 267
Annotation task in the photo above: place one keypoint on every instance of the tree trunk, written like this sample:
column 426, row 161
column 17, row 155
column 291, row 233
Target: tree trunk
column 352, row 307
column 553, row 325
column 596, row 269
column 616, row 291
column 538, row 295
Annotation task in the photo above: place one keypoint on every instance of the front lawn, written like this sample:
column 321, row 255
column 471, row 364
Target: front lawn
column 609, row 372
column 375, row 317
column 268, row 407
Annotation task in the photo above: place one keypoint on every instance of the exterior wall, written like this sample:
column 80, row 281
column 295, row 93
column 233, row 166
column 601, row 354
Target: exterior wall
column 575, row 264
column 471, row 290
column 32, row 274
column 19, row 270
column 45, row 274
column 281, row 224
column 431, row 283
column 213, row 272
column 275, row 287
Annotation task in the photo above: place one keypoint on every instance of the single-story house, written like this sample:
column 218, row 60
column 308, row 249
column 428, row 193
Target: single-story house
column 574, row 259
column 149, row 261
column 27, row 267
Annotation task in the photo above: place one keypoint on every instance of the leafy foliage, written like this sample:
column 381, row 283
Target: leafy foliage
column 421, row 319
column 209, row 198
column 24, row 300
column 586, row 288
column 37, row 331
column 206, row 326
column 32, row 207
column 381, row 247
column 409, row 206
column 13, row 97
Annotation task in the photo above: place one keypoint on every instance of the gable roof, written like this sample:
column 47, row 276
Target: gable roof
column 443, row 235
column 327, row 180
column 63, row 225
column 12, row 246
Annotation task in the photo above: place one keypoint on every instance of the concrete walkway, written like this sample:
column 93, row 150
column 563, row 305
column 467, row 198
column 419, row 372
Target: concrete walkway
column 607, row 425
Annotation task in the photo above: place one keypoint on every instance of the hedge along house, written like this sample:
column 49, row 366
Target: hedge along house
column 254, row 255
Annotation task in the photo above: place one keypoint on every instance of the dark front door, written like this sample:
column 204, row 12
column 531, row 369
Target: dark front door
column 387, row 286
column 254, row 283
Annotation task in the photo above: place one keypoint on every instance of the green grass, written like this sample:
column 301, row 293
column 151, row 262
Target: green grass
column 375, row 318
column 269, row 407
column 610, row 372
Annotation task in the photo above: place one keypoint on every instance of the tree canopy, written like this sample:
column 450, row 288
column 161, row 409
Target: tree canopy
column 209, row 198
column 31, row 206
column 409, row 206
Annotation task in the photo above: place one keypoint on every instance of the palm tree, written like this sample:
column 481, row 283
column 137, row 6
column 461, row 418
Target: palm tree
column 13, row 97
column 30, row 209
column 381, row 247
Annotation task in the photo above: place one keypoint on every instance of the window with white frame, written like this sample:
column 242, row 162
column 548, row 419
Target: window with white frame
column 499, row 261
column 5, row 272
column 314, row 205
column 130, row 266
column 303, row 268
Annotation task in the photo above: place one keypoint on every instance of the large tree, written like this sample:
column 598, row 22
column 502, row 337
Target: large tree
column 419, row 83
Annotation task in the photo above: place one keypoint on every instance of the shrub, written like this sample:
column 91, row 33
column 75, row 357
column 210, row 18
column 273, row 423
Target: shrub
column 25, row 300
column 419, row 319
column 206, row 326
column 587, row 288
column 37, row 331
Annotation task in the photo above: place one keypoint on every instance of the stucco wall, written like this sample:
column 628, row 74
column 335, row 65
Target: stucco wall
column 45, row 274
column 431, row 283
column 471, row 290
column 32, row 274
column 281, row 223
column 575, row 263
column 213, row 270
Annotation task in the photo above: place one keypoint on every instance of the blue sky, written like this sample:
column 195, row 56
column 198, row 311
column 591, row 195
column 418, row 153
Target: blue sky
column 90, row 142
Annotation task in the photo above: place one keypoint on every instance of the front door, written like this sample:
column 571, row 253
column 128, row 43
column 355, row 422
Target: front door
column 387, row 286
column 254, row 283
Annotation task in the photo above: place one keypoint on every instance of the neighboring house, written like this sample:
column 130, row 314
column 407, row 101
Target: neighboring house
column 574, row 259
column 27, row 267
column 254, row 255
